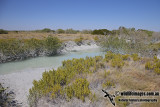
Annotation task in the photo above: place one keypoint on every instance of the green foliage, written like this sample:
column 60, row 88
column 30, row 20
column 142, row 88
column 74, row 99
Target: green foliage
column 15, row 47
column 46, row 30
column 59, row 82
column 148, row 66
column 155, row 47
column 125, row 57
column 101, row 32
column 153, row 65
column 59, row 31
column 116, row 59
column 109, row 56
column 3, row 31
column 52, row 43
column 79, row 89
column 114, row 43
column 135, row 57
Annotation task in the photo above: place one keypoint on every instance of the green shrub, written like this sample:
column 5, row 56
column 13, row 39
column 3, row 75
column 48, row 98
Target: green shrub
column 3, row 31
column 79, row 89
column 52, row 43
column 135, row 57
column 15, row 47
column 117, row 62
column 148, row 65
column 96, row 38
column 101, row 32
column 125, row 57
column 59, row 31
column 116, row 59
column 109, row 56
column 46, row 30
column 153, row 65
column 58, row 82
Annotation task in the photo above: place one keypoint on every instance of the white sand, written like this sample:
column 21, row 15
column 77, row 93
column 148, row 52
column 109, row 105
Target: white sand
column 21, row 82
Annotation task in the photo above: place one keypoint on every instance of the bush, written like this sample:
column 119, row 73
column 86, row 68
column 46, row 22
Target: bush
column 135, row 57
column 117, row 62
column 52, row 44
column 109, row 56
column 148, row 65
column 46, row 30
column 153, row 65
column 79, row 89
column 59, row 31
column 116, row 59
column 125, row 57
column 59, row 82
column 3, row 31
column 101, row 32
column 15, row 47
column 116, row 44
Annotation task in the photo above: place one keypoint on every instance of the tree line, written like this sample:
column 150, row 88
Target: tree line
column 94, row 32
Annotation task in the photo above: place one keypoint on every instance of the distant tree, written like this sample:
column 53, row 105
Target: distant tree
column 101, row 32
column 124, row 30
column 133, row 29
column 46, row 30
column 60, row 31
column 3, row 31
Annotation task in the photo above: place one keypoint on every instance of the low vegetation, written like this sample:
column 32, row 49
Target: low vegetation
column 14, row 48
column 129, row 41
column 153, row 65
column 3, row 31
column 59, row 82
column 75, row 78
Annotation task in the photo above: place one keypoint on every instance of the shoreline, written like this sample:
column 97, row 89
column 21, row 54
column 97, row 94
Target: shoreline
column 21, row 82
column 69, row 46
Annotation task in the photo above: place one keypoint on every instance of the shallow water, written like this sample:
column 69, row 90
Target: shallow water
column 45, row 62
column 18, row 76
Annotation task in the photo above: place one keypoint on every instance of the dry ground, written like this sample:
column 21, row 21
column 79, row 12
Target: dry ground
column 29, row 35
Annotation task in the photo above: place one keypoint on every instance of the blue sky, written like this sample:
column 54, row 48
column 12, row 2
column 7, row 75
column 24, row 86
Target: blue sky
column 79, row 14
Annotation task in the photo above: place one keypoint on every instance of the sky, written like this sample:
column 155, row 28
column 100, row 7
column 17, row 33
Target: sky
column 79, row 14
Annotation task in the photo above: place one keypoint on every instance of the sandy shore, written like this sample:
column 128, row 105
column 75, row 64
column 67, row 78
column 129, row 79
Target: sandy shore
column 21, row 82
